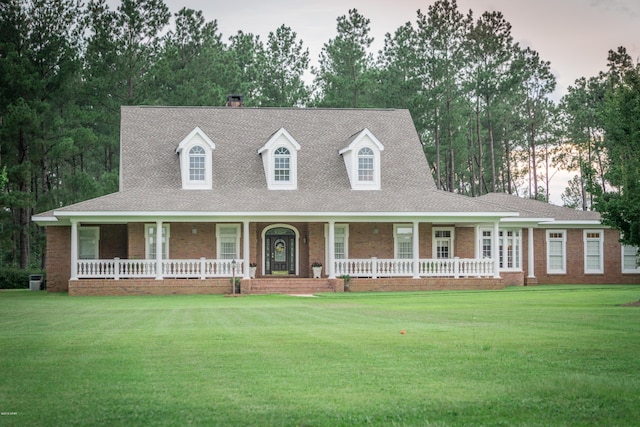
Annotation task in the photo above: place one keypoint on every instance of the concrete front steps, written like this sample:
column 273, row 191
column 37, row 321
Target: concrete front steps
column 290, row 285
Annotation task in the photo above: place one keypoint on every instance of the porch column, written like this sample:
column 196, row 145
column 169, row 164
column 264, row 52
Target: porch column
column 74, row 250
column 496, row 249
column 332, row 250
column 159, row 250
column 530, row 255
column 245, row 249
column 416, row 250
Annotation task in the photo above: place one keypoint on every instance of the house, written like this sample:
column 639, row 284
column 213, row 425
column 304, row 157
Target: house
column 211, row 196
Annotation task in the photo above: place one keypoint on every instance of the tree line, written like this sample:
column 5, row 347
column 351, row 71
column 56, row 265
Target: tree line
column 479, row 100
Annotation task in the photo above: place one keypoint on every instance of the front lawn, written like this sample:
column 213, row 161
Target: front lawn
column 548, row 355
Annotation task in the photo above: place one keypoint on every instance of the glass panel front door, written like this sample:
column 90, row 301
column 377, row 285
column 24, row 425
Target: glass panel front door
column 280, row 251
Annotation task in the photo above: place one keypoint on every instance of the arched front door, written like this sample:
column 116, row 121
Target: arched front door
column 280, row 251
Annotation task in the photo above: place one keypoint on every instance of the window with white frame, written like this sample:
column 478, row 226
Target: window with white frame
column 486, row 244
column 197, row 163
column 150, row 241
column 340, row 241
column 228, row 241
column 556, row 251
column 593, row 251
column 443, row 242
column 365, row 164
column 88, row 242
column 630, row 259
column 363, row 161
column 403, row 241
column 282, row 165
column 280, row 161
column 509, row 248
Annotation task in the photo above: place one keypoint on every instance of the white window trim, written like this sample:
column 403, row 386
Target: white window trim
column 219, row 236
column 166, row 230
column 434, row 252
column 635, row 270
column 326, row 240
column 504, row 238
column 350, row 155
column 396, row 227
column 281, row 138
column 563, row 270
column 600, row 269
column 96, row 236
column 517, row 254
column 196, row 138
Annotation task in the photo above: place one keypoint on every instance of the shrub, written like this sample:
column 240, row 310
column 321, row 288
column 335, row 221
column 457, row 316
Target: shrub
column 15, row 278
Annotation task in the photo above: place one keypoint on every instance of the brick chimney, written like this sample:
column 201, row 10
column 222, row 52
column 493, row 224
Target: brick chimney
column 235, row 101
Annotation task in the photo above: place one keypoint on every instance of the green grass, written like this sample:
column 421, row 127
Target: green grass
column 562, row 355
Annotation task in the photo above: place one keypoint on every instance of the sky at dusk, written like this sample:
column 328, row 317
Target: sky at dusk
column 574, row 35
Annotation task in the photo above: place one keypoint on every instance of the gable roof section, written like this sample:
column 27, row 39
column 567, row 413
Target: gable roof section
column 151, row 184
column 358, row 137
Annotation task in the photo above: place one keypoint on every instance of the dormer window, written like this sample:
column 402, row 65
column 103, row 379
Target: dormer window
column 362, row 159
column 365, row 165
column 280, row 161
column 197, row 164
column 196, row 161
column 282, row 166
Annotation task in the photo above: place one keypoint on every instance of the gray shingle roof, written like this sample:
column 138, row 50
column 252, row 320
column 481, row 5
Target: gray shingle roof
column 151, row 181
column 150, row 169
column 529, row 208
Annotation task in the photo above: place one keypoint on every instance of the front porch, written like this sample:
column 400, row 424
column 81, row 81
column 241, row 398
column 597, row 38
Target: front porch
column 206, row 256
column 216, row 276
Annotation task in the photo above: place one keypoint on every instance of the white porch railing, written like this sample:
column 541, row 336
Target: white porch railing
column 454, row 267
column 146, row 268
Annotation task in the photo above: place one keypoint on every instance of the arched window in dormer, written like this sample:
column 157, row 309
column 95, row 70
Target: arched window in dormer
column 280, row 161
column 196, row 161
column 282, row 166
column 197, row 164
column 363, row 161
column 365, row 164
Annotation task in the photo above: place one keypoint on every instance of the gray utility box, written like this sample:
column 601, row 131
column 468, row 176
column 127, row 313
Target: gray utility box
column 35, row 282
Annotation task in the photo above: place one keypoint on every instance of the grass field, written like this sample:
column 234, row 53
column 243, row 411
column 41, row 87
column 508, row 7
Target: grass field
column 562, row 355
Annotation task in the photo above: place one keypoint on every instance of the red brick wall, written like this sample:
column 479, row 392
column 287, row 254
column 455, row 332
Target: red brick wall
column 102, row 287
column 424, row 284
column 464, row 242
column 575, row 260
column 135, row 233
column 58, row 262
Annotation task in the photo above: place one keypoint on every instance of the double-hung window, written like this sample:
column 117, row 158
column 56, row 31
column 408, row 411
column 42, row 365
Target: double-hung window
column 341, row 236
column 556, row 251
column 630, row 259
column 151, row 239
column 228, row 241
column 403, row 236
column 593, row 251
column 88, row 242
